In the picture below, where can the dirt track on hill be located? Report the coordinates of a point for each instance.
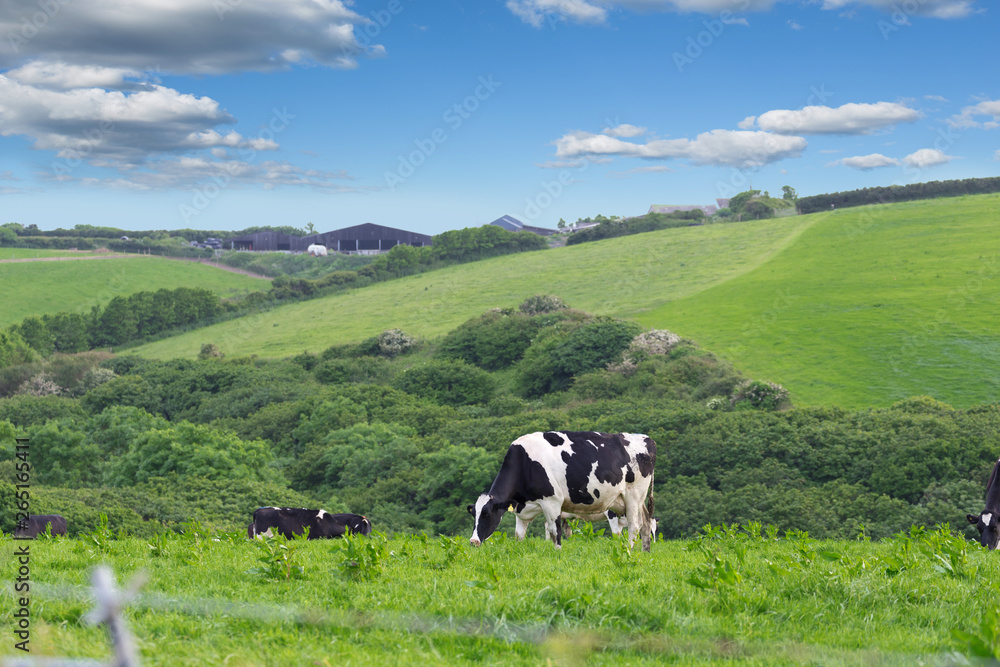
(206, 262)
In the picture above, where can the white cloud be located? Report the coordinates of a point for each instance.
(794, 25)
(536, 12)
(624, 131)
(967, 118)
(60, 76)
(942, 9)
(996, 156)
(866, 162)
(114, 125)
(927, 157)
(574, 164)
(936, 98)
(718, 147)
(187, 36)
(850, 118)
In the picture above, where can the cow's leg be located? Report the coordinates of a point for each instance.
(521, 526)
(552, 508)
(635, 514)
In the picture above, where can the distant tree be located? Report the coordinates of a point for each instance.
(311, 228)
(35, 334)
(757, 209)
(561, 224)
(790, 194)
(738, 202)
(8, 237)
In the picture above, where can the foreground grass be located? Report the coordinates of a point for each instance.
(413, 600)
(870, 305)
(39, 288)
(617, 277)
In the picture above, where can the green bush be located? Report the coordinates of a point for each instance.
(448, 383)
(190, 450)
(357, 370)
(493, 341)
(25, 411)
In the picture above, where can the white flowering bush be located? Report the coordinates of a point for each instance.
(626, 367)
(394, 342)
(542, 303)
(759, 394)
(94, 377)
(654, 341)
(716, 403)
(40, 385)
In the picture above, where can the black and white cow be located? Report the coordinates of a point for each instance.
(580, 472)
(290, 521)
(36, 523)
(986, 521)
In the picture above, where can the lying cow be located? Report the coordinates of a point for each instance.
(292, 521)
(36, 523)
(583, 473)
(615, 520)
(986, 521)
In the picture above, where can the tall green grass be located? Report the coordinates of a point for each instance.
(39, 288)
(737, 597)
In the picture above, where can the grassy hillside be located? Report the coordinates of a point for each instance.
(414, 601)
(616, 277)
(868, 306)
(37, 288)
(858, 307)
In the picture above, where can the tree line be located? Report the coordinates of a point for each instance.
(898, 193)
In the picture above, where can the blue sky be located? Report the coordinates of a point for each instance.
(222, 114)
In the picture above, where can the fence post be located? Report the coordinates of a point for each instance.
(108, 611)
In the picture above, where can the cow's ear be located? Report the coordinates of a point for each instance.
(471, 509)
(973, 519)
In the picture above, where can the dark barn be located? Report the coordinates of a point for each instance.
(367, 238)
(264, 242)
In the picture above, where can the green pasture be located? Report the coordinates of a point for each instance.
(35, 253)
(618, 277)
(868, 306)
(734, 599)
(39, 288)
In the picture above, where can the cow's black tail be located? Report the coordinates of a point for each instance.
(649, 501)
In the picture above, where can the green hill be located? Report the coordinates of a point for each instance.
(619, 276)
(856, 307)
(869, 305)
(46, 287)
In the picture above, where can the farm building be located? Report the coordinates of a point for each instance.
(367, 239)
(512, 224)
(263, 242)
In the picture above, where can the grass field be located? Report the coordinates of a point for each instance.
(616, 277)
(868, 306)
(734, 600)
(32, 253)
(39, 288)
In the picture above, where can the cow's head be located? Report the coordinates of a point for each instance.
(487, 513)
(986, 523)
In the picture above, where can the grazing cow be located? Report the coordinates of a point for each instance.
(317, 250)
(986, 521)
(582, 473)
(293, 521)
(356, 523)
(36, 524)
(616, 520)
